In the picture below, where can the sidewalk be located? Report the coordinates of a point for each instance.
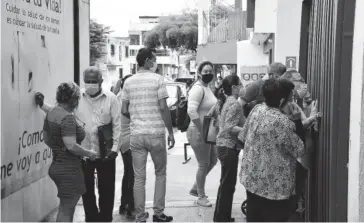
(180, 177)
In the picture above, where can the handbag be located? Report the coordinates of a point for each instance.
(105, 134)
(209, 130)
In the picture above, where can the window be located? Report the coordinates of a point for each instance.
(112, 50)
(126, 51)
(134, 40)
(144, 34)
(133, 53)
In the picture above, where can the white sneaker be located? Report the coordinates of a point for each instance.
(204, 202)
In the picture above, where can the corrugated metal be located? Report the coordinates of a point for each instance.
(328, 76)
(232, 28)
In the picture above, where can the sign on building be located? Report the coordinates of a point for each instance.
(37, 54)
(250, 74)
(291, 62)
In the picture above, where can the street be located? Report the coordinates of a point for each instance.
(180, 178)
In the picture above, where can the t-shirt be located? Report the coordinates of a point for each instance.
(143, 91)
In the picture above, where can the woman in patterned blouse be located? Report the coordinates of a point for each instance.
(231, 121)
(271, 149)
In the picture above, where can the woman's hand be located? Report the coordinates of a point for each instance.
(92, 156)
(39, 99)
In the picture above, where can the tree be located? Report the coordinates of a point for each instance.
(177, 32)
(98, 38)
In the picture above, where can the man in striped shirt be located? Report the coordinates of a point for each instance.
(144, 101)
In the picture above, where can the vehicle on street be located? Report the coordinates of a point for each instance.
(176, 91)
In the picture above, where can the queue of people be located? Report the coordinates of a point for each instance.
(87, 128)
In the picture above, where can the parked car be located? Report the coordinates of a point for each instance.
(187, 80)
(176, 91)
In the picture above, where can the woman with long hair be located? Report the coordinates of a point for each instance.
(200, 100)
(231, 121)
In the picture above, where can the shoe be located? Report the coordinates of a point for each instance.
(130, 214)
(204, 202)
(162, 218)
(145, 217)
(122, 210)
(231, 220)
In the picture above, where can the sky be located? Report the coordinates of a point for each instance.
(118, 13)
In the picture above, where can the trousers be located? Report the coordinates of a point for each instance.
(140, 146)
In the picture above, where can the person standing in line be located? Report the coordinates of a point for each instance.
(127, 198)
(200, 100)
(144, 102)
(64, 135)
(231, 121)
(97, 108)
(271, 148)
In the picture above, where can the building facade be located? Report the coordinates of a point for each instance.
(167, 60)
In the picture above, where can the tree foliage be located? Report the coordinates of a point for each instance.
(98, 38)
(177, 32)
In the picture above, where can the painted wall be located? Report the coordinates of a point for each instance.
(250, 60)
(221, 53)
(265, 16)
(287, 36)
(356, 147)
(36, 55)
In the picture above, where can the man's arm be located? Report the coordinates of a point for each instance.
(166, 115)
(116, 123)
(125, 109)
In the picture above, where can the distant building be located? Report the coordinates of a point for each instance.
(167, 60)
(113, 63)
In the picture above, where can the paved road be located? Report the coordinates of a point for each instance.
(180, 178)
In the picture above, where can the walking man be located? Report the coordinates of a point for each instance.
(97, 108)
(144, 101)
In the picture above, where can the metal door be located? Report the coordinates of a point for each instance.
(326, 52)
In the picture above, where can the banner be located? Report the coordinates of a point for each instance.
(37, 55)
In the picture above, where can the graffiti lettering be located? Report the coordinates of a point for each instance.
(27, 140)
(6, 170)
(24, 163)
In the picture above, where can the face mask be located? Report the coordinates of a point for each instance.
(92, 89)
(207, 78)
(154, 68)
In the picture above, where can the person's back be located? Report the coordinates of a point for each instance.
(143, 90)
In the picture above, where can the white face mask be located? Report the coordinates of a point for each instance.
(92, 89)
(154, 68)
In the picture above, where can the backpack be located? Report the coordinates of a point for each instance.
(182, 118)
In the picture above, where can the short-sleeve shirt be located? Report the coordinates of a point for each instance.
(143, 92)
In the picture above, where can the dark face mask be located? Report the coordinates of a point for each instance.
(207, 78)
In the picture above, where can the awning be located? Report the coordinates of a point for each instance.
(260, 38)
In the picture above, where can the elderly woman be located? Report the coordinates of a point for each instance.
(63, 134)
(200, 100)
(268, 168)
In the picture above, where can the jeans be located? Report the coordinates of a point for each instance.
(106, 186)
(206, 158)
(140, 146)
(127, 197)
(229, 159)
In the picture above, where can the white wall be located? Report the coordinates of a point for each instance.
(356, 146)
(287, 38)
(84, 37)
(32, 60)
(265, 16)
(250, 55)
